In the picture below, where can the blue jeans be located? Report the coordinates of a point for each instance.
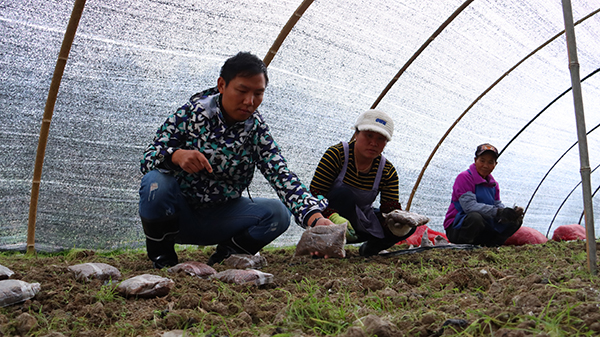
(264, 219)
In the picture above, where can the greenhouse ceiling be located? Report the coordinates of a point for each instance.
(452, 74)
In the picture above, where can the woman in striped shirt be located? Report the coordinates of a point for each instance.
(351, 175)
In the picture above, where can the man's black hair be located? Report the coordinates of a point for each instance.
(243, 64)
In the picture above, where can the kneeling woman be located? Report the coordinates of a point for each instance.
(351, 175)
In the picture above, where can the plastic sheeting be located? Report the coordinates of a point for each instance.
(134, 62)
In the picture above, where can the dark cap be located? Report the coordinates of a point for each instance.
(486, 147)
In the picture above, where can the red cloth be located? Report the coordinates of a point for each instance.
(524, 236)
(415, 239)
(569, 233)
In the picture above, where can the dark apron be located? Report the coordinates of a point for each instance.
(367, 219)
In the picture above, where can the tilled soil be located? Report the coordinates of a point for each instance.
(534, 290)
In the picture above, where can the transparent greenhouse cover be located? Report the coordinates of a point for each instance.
(133, 62)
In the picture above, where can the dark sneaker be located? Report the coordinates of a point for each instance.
(221, 253)
(369, 249)
(362, 251)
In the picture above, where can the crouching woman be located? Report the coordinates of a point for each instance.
(351, 175)
(476, 214)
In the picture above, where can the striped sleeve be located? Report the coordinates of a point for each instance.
(388, 187)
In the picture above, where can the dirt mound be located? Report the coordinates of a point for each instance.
(508, 291)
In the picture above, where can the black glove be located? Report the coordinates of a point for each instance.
(507, 214)
(520, 211)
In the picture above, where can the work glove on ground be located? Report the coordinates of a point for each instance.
(337, 219)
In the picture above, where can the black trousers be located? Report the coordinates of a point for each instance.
(477, 231)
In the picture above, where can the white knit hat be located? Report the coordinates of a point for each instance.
(377, 121)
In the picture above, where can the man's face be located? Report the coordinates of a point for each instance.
(241, 96)
(485, 164)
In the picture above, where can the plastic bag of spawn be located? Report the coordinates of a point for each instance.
(15, 291)
(239, 276)
(5, 272)
(243, 261)
(202, 270)
(327, 240)
(146, 285)
(399, 217)
(101, 271)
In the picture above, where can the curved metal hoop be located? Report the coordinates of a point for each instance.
(552, 167)
(531, 121)
(583, 212)
(419, 51)
(544, 109)
(564, 201)
(414, 190)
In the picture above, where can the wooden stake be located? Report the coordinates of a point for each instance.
(584, 159)
(419, 51)
(48, 111)
(286, 30)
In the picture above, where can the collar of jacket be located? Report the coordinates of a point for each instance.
(210, 101)
(477, 179)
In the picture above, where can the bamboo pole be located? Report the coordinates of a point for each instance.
(419, 51)
(414, 190)
(48, 111)
(286, 30)
(581, 136)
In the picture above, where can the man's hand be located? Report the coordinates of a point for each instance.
(322, 221)
(191, 161)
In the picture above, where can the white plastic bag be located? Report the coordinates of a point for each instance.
(239, 276)
(243, 261)
(5, 272)
(15, 291)
(101, 271)
(193, 268)
(399, 217)
(327, 240)
(146, 285)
